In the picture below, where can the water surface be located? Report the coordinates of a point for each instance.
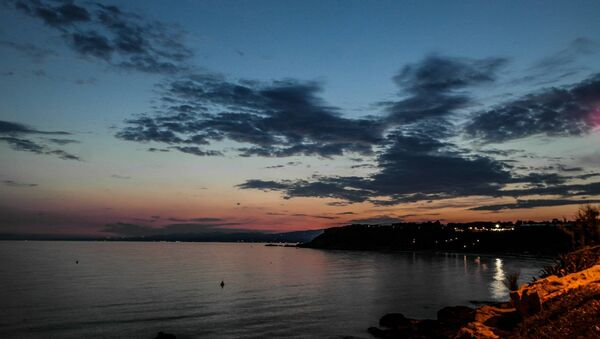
(134, 290)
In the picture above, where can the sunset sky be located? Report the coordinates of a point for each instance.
(290, 115)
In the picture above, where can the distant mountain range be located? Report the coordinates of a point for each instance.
(216, 236)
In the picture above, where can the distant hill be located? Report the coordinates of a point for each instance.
(250, 236)
(435, 236)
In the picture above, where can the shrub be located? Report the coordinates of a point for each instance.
(573, 262)
(512, 281)
(586, 230)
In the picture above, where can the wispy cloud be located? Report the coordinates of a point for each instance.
(18, 137)
(13, 183)
(111, 35)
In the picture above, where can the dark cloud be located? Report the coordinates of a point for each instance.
(567, 56)
(324, 187)
(62, 141)
(88, 81)
(117, 176)
(286, 118)
(570, 169)
(566, 111)
(277, 119)
(560, 66)
(418, 164)
(63, 155)
(363, 166)
(586, 176)
(413, 143)
(565, 190)
(197, 151)
(109, 34)
(328, 217)
(500, 152)
(152, 149)
(35, 53)
(17, 136)
(13, 183)
(25, 145)
(413, 167)
(380, 219)
(91, 43)
(433, 86)
(264, 185)
(289, 163)
(337, 203)
(14, 128)
(417, 161)
(127, 229)
(207, 219)
(524, 204)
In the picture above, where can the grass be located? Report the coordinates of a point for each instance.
(573, 262)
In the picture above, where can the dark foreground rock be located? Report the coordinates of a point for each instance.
(394, 320)
(163, 335)
(450, 320)
(456, 316)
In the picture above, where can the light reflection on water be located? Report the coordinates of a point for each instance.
(135, 290)
(497, 287)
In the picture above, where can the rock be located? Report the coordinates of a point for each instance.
(476, 330)
(529, 299)
(394, 320)
(528, 302)
(429, 328)
(163, 335)
(456, 316)
(377, 332)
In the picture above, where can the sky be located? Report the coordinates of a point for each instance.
(129, 117)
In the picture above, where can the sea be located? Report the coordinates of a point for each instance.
(88, 289)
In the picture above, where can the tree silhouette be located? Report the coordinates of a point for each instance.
(587, 226)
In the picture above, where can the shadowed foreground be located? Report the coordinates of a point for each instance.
(565, 305)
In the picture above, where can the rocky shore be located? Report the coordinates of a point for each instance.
(565, 304)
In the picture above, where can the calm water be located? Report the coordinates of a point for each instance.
(134, 290)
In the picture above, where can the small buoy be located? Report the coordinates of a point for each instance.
(77, 261)
(222, 284)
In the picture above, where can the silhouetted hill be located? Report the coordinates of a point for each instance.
(250, 236)
(436, 236)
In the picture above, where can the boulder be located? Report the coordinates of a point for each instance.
(394, 320)
(456, 316)
(476, 330)
(527, 302)
(163, 335)
(377, 332)
(429, 328)
(529, 298)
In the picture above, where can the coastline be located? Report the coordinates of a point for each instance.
(533, 308)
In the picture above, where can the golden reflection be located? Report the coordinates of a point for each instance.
(497, 288)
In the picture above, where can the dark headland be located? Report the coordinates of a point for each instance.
(547, 238)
